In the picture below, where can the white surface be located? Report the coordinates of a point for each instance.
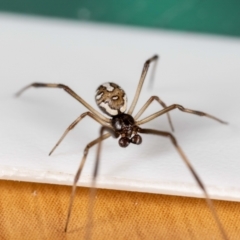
(199, 72)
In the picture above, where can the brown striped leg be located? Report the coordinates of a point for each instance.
(141, 81)
(77, 176)
(95, 173)
(68, 90)
(95, 117)
(146, 105)
(181, 108)
(199, 182)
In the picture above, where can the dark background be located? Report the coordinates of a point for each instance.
(207, 16)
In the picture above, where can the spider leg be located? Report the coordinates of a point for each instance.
(73, 124)
(68, 90)
(77, 176)
(146, 105)
(181, 108)
(195, 175)
(95, 172)
(141, 81)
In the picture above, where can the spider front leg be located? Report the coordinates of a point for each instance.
(77, 176)
(72, 125)
(95, 173)
(69, 91)
(146, 105)
(181, 108)
(195, 175)
(141, 81)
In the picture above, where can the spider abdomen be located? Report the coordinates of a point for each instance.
(111, 99)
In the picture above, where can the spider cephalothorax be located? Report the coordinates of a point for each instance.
(124, 125)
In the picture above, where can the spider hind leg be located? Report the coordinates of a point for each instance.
(194, 173)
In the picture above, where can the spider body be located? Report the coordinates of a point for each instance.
(112, 100)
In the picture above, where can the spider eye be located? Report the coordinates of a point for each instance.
(111, 99)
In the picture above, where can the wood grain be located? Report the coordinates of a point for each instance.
(38, 211)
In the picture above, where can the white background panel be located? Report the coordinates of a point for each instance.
(196, 71)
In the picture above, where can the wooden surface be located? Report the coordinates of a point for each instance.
(38, 211)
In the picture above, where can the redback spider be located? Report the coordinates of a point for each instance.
(120, 123)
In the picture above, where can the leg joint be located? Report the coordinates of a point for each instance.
(180, 107)
(155, 98)
(173, 139)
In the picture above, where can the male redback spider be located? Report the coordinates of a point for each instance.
(120, 123)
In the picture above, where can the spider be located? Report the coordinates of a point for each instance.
(120, 123)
